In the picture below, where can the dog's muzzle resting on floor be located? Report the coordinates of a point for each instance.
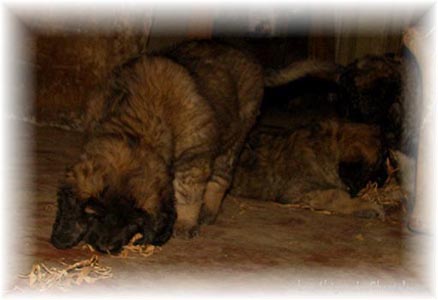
(107, 228)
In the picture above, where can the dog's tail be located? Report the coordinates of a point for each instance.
(300, 69)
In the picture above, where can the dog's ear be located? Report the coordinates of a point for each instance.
(66, 197)
(69, 226)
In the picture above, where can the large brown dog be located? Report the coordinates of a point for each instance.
(165, 126)
(322, 166)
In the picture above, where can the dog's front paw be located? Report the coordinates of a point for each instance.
(207, 216)
(185, 231)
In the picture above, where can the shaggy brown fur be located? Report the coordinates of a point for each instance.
(164, 126)
(321, 166)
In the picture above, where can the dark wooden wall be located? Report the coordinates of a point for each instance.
(67, 64)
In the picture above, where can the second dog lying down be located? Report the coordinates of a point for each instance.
(323, 166)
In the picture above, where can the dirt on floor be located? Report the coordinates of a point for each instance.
(254, 248)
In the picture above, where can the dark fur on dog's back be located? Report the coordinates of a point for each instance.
(384, 90)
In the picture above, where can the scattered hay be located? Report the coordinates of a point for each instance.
(88, 247)
(43, 278)
(89, 270)
(142, 250)
(390, 195)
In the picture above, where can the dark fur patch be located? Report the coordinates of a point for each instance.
(71, 224)
(357, 174)
(384, 90)
(109, 226)
(164, 224)
(116, 221)
(353, 174)
(115, 225)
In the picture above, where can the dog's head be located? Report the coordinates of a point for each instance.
(363, 158)
(356, 174)
(109, 221)
(114, 223)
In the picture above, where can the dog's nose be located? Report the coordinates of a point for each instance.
(61, 242)
(114, 249)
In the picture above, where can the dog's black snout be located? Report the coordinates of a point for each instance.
(115, 248)
(61, 242)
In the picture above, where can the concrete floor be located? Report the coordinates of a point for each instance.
(255, 248)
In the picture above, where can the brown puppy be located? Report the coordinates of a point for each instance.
(322, 166)
(164, 127)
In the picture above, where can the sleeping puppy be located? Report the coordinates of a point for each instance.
(323, 166)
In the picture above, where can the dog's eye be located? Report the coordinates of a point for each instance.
(93, 208)
(90, 210)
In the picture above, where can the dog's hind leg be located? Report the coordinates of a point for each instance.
(218, 185)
